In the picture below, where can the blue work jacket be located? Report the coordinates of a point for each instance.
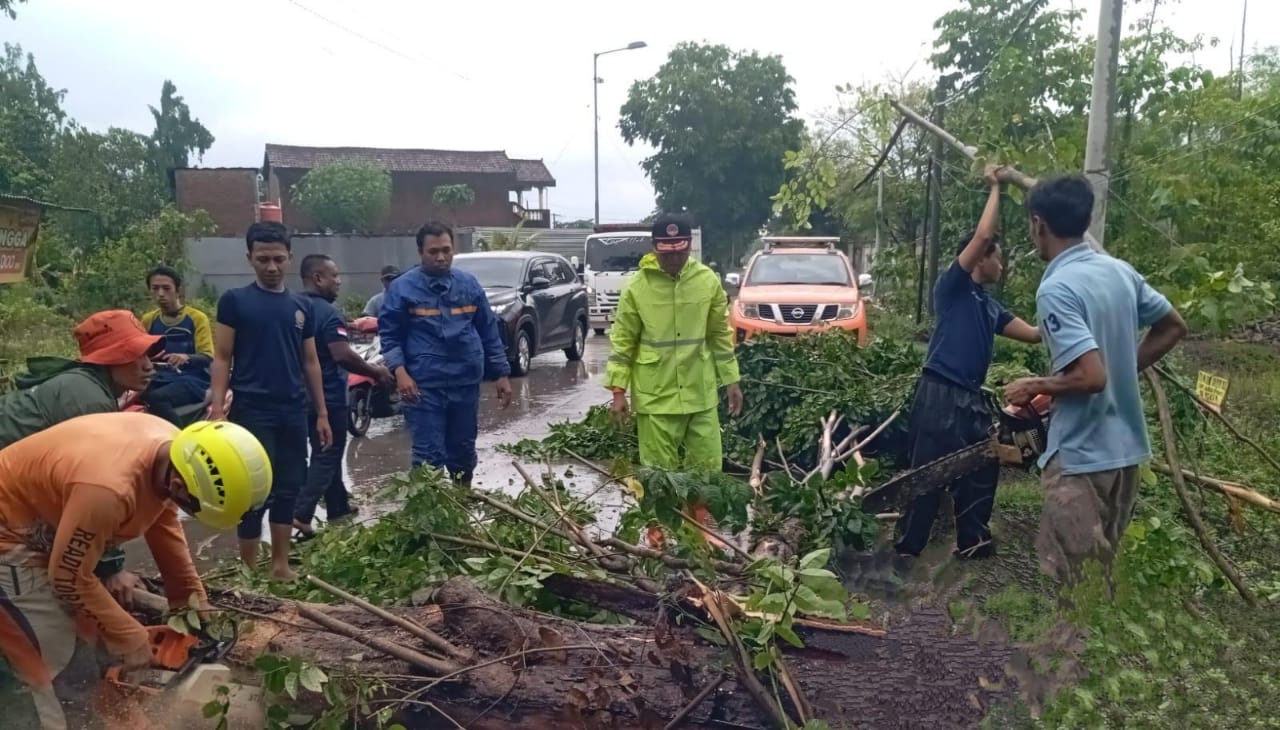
(441, 330)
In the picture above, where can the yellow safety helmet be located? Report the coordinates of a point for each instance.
(226, 470)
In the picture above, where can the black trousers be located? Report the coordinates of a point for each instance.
(165, 400)
(324, 473)
(282, 431)
(946, 418)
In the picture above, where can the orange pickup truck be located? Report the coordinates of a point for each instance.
(799, 284)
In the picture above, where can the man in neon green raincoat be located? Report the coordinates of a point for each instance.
(672, 347)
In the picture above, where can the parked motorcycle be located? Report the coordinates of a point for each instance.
(367, 398)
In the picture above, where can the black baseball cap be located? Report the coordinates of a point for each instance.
(672, 233)
(389, 272)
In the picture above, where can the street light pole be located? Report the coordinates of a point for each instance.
(595, 112)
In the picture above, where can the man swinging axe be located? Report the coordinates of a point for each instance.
(671, 345)
(949, 410)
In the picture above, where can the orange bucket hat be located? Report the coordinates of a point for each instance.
(114, 337)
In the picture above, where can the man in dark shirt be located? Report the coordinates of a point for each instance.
(950, 411)
(321, 282)
(183, 378)
(374, 305)
(440, 338)
(265, 351)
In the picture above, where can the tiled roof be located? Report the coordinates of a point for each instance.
(533, 172)
(394, 160)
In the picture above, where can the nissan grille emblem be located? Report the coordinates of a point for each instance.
(797, 313)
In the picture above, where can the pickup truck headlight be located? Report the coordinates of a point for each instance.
(751, 311)
(847, 311)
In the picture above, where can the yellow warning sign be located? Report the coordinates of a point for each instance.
(1212, 389)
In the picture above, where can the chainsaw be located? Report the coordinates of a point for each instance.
(1017, 438)
(130, 698)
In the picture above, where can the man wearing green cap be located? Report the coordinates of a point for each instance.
(672, 347)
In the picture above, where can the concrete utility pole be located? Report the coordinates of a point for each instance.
(595, 110)
(935, 202)
(1102, 111)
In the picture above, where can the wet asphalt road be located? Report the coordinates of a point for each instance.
(554, 390)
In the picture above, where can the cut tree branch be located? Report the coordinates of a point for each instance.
(697, 700)
(1180, 486)
(1229, 489)
(1217, 414)
(1006, 174)
(390, 648)
(579, 536)
(432, 639)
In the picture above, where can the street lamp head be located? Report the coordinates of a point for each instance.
(636, 44)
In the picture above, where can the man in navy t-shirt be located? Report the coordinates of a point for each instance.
(949, 411)
(265, 351)
(321, 282)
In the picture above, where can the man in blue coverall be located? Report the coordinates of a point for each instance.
(440, 339)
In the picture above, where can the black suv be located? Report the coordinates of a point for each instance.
(539, 301)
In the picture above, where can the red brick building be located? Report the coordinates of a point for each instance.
(499, 182)
(228, 194)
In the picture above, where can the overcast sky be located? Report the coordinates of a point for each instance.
(486, 74)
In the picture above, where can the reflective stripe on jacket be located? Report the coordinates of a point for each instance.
(441, 329)
(671, 341)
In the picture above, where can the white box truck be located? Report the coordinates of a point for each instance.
(609, 258)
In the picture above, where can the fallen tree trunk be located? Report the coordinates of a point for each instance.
(555, 672)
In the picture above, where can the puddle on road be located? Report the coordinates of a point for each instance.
(554, 390)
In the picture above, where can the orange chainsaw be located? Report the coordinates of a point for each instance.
(1018, 437)
(124, 694)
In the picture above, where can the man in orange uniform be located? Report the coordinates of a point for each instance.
(75, 489)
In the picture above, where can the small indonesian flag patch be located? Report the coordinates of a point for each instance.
(342, 331)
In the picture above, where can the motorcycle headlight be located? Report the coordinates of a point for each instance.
(848, 311)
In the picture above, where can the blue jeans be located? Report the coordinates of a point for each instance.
(324, 473)
(443, 425)
(283, 434)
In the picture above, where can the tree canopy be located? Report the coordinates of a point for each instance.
(453, 198)
(720, 121)
(345, 196)
(1194, 155)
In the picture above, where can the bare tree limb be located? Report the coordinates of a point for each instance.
(697, 700)
(432, 639)
(1006, 174)
(390, 648)
(1218, 415)
(1229, 489)
(1180, 486)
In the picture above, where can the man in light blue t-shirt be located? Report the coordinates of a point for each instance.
(1090, 308)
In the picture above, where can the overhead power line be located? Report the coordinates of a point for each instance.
(377, 43)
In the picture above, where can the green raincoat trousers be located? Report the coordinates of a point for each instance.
(672, 348)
